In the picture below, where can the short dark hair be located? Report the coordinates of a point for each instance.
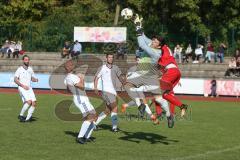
(109, 54)
(160, 39)
(25, 56)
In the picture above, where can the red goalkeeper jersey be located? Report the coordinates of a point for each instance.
(166, 58)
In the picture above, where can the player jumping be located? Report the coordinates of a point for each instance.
(168, 66)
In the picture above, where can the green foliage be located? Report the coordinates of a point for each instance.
(45, 24)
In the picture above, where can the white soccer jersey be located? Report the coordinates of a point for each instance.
(79, 96)
(25, 75)
(109, 77)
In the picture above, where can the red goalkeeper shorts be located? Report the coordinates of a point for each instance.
(170, 79)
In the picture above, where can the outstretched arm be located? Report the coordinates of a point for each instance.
(149, 50)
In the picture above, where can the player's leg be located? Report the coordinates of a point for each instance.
(102, 116)
(87, 121)
(126, 105)
(31, 111)
(167, 83)
(114, 118)
(107, 111)
(26, 103)
(134, 95)
(33, 104)
(164, 104)
(92, 118)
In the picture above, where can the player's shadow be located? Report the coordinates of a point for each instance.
(104, 127)
(71, 133)
(153, 138)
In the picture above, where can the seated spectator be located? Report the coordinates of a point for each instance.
(66, 50)
(11, 48)
(77, 49)
(238, 67)
(210, 53)
(232, 66)
(5, 48)
(237, 54)
(121, 50)
(198, 53)
(188, 53)
(220, 53)
(178, 53)
(17, 49)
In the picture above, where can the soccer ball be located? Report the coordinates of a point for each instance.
(127, 13)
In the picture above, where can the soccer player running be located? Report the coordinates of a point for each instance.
(108, 73)
(168, 66)
(23, 77)
(75, 84)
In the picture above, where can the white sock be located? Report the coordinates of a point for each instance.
(89, 131)
(148, 110)
(164, 105)
(131, 103)
(84, 128)
(24, 108)
(114, 120)
(138, 102)
(101, 116)
(30, 112)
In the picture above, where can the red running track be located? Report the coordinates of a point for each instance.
(91, 93)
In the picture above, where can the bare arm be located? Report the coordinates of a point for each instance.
(33, 79)
(80, 84)
(20, 84)
(96, 85)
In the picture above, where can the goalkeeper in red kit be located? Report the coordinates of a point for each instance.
(167, 65)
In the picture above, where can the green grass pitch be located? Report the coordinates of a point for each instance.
(212, 134)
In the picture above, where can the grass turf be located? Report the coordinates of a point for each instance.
(213, 133)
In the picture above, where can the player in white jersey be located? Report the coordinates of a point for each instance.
(23, 77)
(109, 74)
(75, 84)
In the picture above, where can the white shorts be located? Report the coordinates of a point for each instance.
(85, 106)
(26, 95)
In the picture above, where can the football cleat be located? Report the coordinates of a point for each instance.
(170, 121)
(115, 130)
(141, 109)
(81, 140)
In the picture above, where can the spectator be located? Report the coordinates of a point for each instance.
(178, 53)
(66, 50)
(77, 49)
(210, 53)
(237, 54)
(188, 53)
(17, 49)
(238, 67)
(121, 50)
(11, 48)
(198, 53)
(213, 87)
(5, 48)
(232, 66)
(220, 53)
